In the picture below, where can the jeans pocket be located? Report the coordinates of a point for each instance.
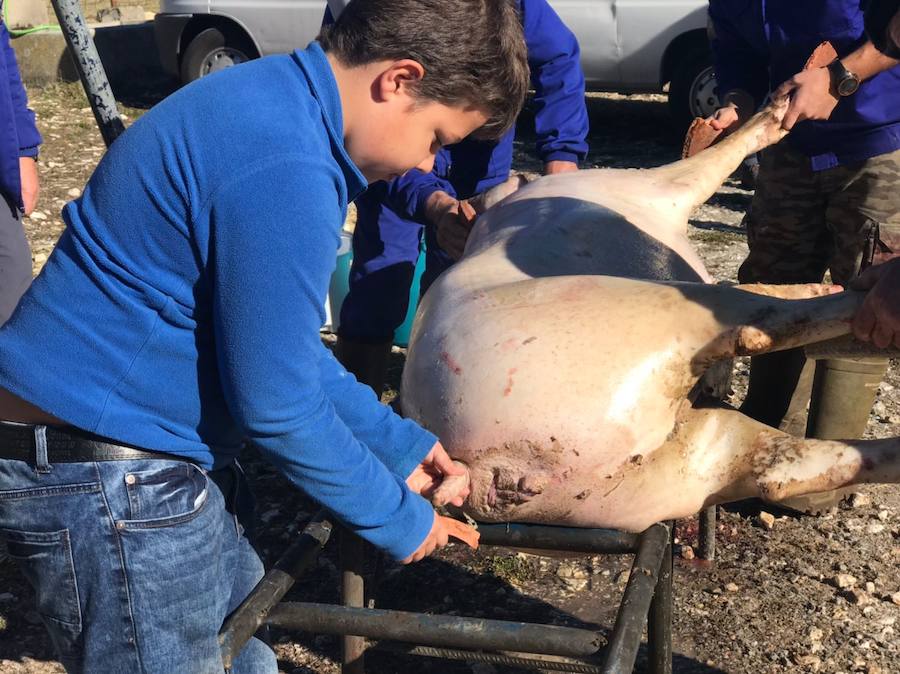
(166, 496)
(45, 558)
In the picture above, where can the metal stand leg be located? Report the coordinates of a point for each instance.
(659, 624)
(639, 593)
(707, 535)
(352, 554)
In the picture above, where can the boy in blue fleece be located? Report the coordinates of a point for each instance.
(179, 314)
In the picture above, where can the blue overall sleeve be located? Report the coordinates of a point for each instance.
(270, 264)
(26, 129)
(561, 120)
(738, 65)
(409, 193)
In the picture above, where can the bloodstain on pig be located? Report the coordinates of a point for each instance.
(452, 365)
(509, 381)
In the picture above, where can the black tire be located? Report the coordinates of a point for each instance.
(693, 89)
(213, 49)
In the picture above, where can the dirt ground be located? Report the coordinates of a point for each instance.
(801, 594)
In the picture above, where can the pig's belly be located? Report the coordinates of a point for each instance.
(547, 483)
(561, 419)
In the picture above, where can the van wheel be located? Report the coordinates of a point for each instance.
(693, 91)
(214, 49)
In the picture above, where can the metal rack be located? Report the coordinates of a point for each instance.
(647, 599)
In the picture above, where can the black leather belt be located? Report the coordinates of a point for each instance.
(68, 445)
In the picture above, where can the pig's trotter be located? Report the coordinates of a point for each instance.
(451, 486)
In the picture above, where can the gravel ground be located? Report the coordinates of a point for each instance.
(785, 593)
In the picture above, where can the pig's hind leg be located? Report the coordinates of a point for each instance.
(785, 466)
(726, 456)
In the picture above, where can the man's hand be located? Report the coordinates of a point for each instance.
(31, 187)
(558, 166)
(453, 221)
(811, 97)
(878, 320)
(429, 474)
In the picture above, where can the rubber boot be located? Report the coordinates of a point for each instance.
(842, 396)
(367, 362)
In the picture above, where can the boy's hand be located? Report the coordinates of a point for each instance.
(31, 187)
(738, 108)
(453, 221)
(435, 468)
(441, 530)
(727, 119)
(559, 166)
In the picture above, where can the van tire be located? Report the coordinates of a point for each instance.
(692, 80)
(212, 49)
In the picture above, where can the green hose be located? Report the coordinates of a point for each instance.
(27, 31)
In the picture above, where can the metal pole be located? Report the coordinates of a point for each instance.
(253, 611)
(90, 69)
(352, 555)
(437, 630)
(570, 539)
(524, 660)
(706, 546)
(659, 622)
(632, 615)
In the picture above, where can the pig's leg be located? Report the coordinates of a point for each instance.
(730, 457)
(848, 347)
(753, 324)
(725, 456)
(786, 466)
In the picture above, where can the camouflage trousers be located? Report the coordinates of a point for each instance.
(803, 222)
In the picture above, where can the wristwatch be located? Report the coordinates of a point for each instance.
(844, 82)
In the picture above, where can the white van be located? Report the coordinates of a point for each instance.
(627, 46)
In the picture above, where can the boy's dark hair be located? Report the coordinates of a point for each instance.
(473, 51)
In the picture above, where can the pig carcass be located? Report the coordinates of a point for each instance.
(560, 358)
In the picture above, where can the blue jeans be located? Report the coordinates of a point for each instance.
(135, 564)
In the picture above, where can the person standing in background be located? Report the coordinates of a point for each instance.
(828, 195)
(19, 186)
(393, 216)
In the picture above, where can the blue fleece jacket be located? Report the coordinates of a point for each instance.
(180, 310)
(759, 44)
(560, 119)
(19, 136)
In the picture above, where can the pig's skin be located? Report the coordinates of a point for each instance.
(557, 358)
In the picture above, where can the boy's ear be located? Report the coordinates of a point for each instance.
(396, 79)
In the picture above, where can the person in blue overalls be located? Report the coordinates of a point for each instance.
(391, 215)
(19, 143)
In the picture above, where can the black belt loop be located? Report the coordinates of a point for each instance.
(41, 464)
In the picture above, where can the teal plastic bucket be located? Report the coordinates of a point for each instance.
(340, 286)
(340, 281)
(401, 334)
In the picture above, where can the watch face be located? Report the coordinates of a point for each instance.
(848, 85)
